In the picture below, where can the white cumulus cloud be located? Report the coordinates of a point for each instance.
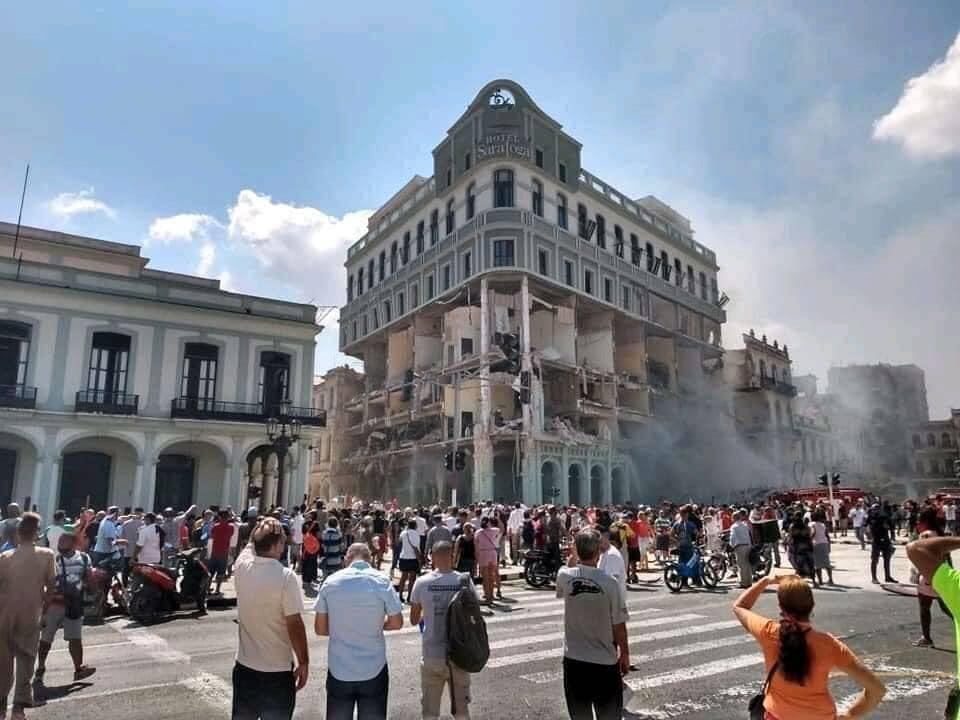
(82, 202)
(184, 227)
(208, 255)
(926, 118)
(299, 244)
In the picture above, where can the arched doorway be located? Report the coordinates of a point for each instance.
(97, 472)
(577, 481)
(549, 483)
(18, 458)
(619, 483)
(597, 489)
(189, 473)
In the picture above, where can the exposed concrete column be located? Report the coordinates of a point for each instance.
(531, 423)
(53, 487)
(482, 446)
(137, 486)
(40, 467)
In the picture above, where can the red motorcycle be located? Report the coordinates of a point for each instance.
(154, 591)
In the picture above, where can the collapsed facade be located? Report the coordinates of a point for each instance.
(517, 313)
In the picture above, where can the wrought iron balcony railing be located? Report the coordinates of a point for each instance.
(18, 396)
(207, 409)
(107, 401)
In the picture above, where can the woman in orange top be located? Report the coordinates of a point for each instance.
(804, 657)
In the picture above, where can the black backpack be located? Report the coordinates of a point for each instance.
(467, 644)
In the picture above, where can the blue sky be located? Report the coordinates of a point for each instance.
(247, 141)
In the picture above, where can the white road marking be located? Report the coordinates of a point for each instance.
(212, 689)
(552, 652)
(91, 647)
(682, 708)
(81, 696)
(901, 689)
(694, 672)
(662, 654)
(520, 614)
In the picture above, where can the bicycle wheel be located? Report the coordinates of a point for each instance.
(719, 564)
(671, 577)
(710, 576)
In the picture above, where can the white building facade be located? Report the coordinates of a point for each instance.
(123, 385)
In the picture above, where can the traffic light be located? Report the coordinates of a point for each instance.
(448, 461)
(459, 460)
(836, 479)
(824, 477)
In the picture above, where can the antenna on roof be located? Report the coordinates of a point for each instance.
(16, 237)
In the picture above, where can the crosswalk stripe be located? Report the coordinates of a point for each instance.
(552, 652)
(682, 708)
(642, 638)
(519, 614)
(662, 654)
(694, 672)
(899, 690)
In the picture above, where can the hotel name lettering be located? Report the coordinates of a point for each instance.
(503, 146)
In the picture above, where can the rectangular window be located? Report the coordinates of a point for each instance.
(107, 374)
(691, 279)
(542, 262)
(405, 253)
(467, 264)
(665, 265)
(466, 423)
(471, 202)
(562, 171)
(714, 292)
(414, 295)
(588, 282)
(562, 211)
(359, 282)
(677, 271)
(607, 290)
(199, 378)
(446, 277)
(383, 265)
(703, 286)
(502, 253)
(370, 268)
(625, 297)
(451, 216)
(635, 251)
(538, 157)
(649, 257)
(503, 188)
(350, 288)
(618, 239)
(582, 221)
(601, 231)
(466, 347)
(400, 307)
(353, 330)
(434, 227)
(466, 161)
(376, 319)
(366, 329)
(430, 287)
(568, 272)
(387, 315)
(420, 238)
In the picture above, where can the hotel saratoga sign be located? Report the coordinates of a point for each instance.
(503, 145)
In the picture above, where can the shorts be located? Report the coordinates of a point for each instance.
(633, 554)
(409, 565)
(663, 543)
(217, 567)
(54, 619)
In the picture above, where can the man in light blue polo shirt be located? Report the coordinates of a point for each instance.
(354, 607)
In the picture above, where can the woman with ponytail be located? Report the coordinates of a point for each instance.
(799, 659)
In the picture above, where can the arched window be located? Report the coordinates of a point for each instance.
(503, 188)
(451, 216)
(14, 353)
(601, 231)
(931, 440)
(945, 440)
(471, 200)
(562, 210)
(917, 441)
(393, 257)
(537, 198)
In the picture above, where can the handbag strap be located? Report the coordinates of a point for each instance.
(766, 683)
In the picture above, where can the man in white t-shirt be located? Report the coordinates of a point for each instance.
(296, 538)
(272, 634)
(858, 517)
(611, 562)
(950, 515)
(422, 530)
(149, 541)
(514, 526)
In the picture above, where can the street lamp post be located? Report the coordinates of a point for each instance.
(282, 432)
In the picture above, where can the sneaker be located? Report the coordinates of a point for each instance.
(83, 673)
(923, 642)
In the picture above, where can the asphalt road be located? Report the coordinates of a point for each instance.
(695, 661)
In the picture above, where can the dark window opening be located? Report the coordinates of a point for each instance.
(471, 201)
(274, 385)
(198, 380)
(394, 252)
(714, 293)
(618, 238)
(107, 374)
(538, 157)
(466, 423)
(677, 271)
(350, 288)
(400, 308)
(387, 315)
(703, 286)
(538, 198)
(14, 354)
(370, 274)
(607, 290)
(451, 216)
(502, 253)
(446, 277)
(691, 279)
(466, 347)
(467, 264)
(562, 171)
(588, 282)
(625, 297)
(414, 296)
(429, 287)
(635, 251)
(650, 257)
(449, 177)
(405, 253)
(601, 231)
(568, 272)
(466, 161)
(503, 188)
(665, 265)
(434, 227)
(542, 262)
(383, 264)
(562, 211)
(420, 238)
(359, 282)
(582, 221)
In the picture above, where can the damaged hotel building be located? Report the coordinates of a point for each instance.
(523, 322)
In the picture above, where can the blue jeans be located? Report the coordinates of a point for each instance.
(369, 697)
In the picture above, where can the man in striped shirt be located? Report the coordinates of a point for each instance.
(331, 541)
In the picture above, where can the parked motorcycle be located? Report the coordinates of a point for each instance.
(154, 588)
(540, 568)
(104, 588)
